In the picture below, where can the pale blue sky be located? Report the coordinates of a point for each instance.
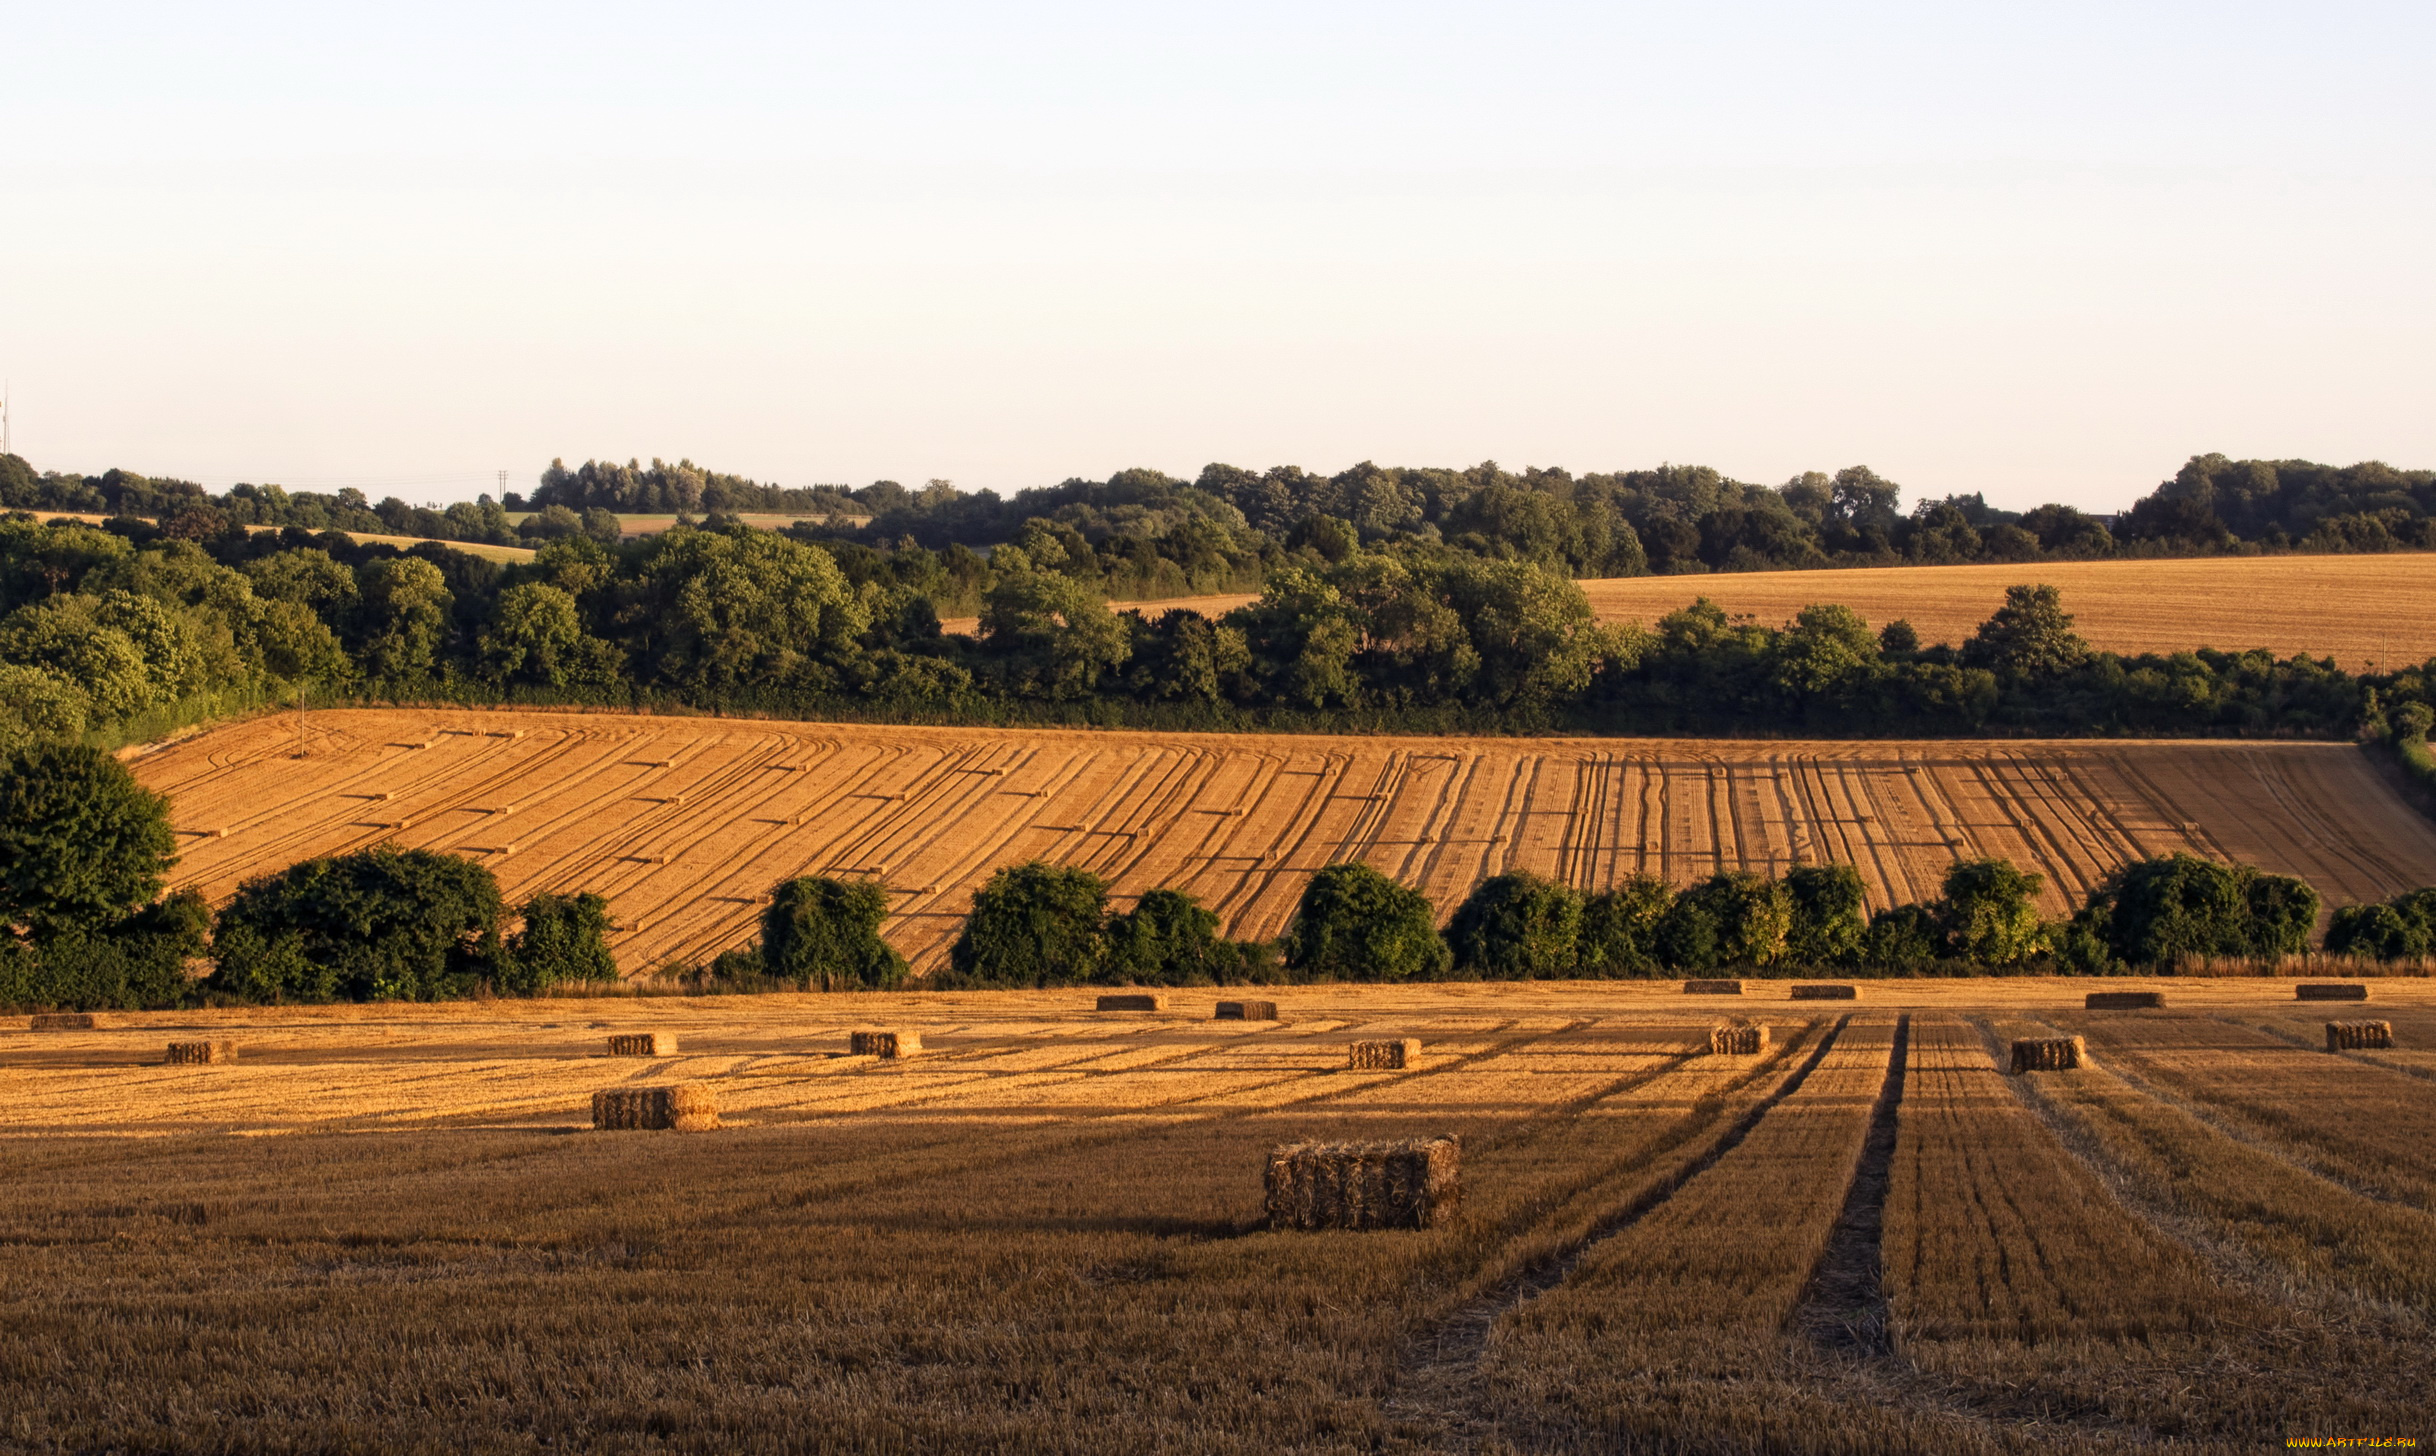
(2042, 250)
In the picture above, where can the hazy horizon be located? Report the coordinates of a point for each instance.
(2043, 252)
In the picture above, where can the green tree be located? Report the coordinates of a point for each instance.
(1731, 919)
(308, 577)
(824, 935)
(2030, 636)
(1827, 650)
(62, 639)
(405, 618)
(2155, 911)
(379, 925)
(1903, 938)
(1620, 927)
(35, 705)
(1989, 912)
(1830, 914)
(1167, 939)
(1053, 635)
(565, 938)
(1355, 924)
(1034, 924)
(137, 964)
(536, 635)
(2402, 927)
(82, 844)
(723, 613)
(1517, 926)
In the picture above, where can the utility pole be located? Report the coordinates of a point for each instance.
(502, 495)
(6, 447)
(300, 733)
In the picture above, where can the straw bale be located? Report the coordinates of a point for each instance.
(195, 1053)
(643, 1044)
(1385, 1056)
(884, 1043)
(2049, 1053)
(685, 1107)
(1411, 1183)
(2123, 1000)
(1817, 992)
(2346, 1036)
(1712, 988)
(63, 1021)
(1247, 1011)
(1737, 1041)
(2330, 991)
(1129, 1003)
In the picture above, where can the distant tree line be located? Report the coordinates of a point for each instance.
(1124, 531)
(107, 629)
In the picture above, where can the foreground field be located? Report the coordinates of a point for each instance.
(388, 1228)
(686, 823)
(2359, 610)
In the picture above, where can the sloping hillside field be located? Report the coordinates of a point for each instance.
(685, 823)
(393, 1227)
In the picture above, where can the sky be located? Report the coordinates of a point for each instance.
(2045, 251)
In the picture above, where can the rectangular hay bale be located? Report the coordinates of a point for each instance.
(1737, 1041)
(1384, 1056)
(884, 1043)
(643, 1044)
(63, 1021)
(1712, 988)
(1819, 992)
(1411, 1183)
(201, 1053)
(2352, 1036)
(1247, 1011)
(686, 1107)
(2330, 991)
(2049, 1053)
(1129, 1003)
(2123, 1000)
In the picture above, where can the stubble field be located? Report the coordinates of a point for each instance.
(388, 1228)
(686, 823)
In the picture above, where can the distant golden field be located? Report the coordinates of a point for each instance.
(2358, 610)
(686, 823)
(391, 1227)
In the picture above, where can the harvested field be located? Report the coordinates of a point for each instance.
(1052, 1230)
(686, 823)
(2359, 610)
